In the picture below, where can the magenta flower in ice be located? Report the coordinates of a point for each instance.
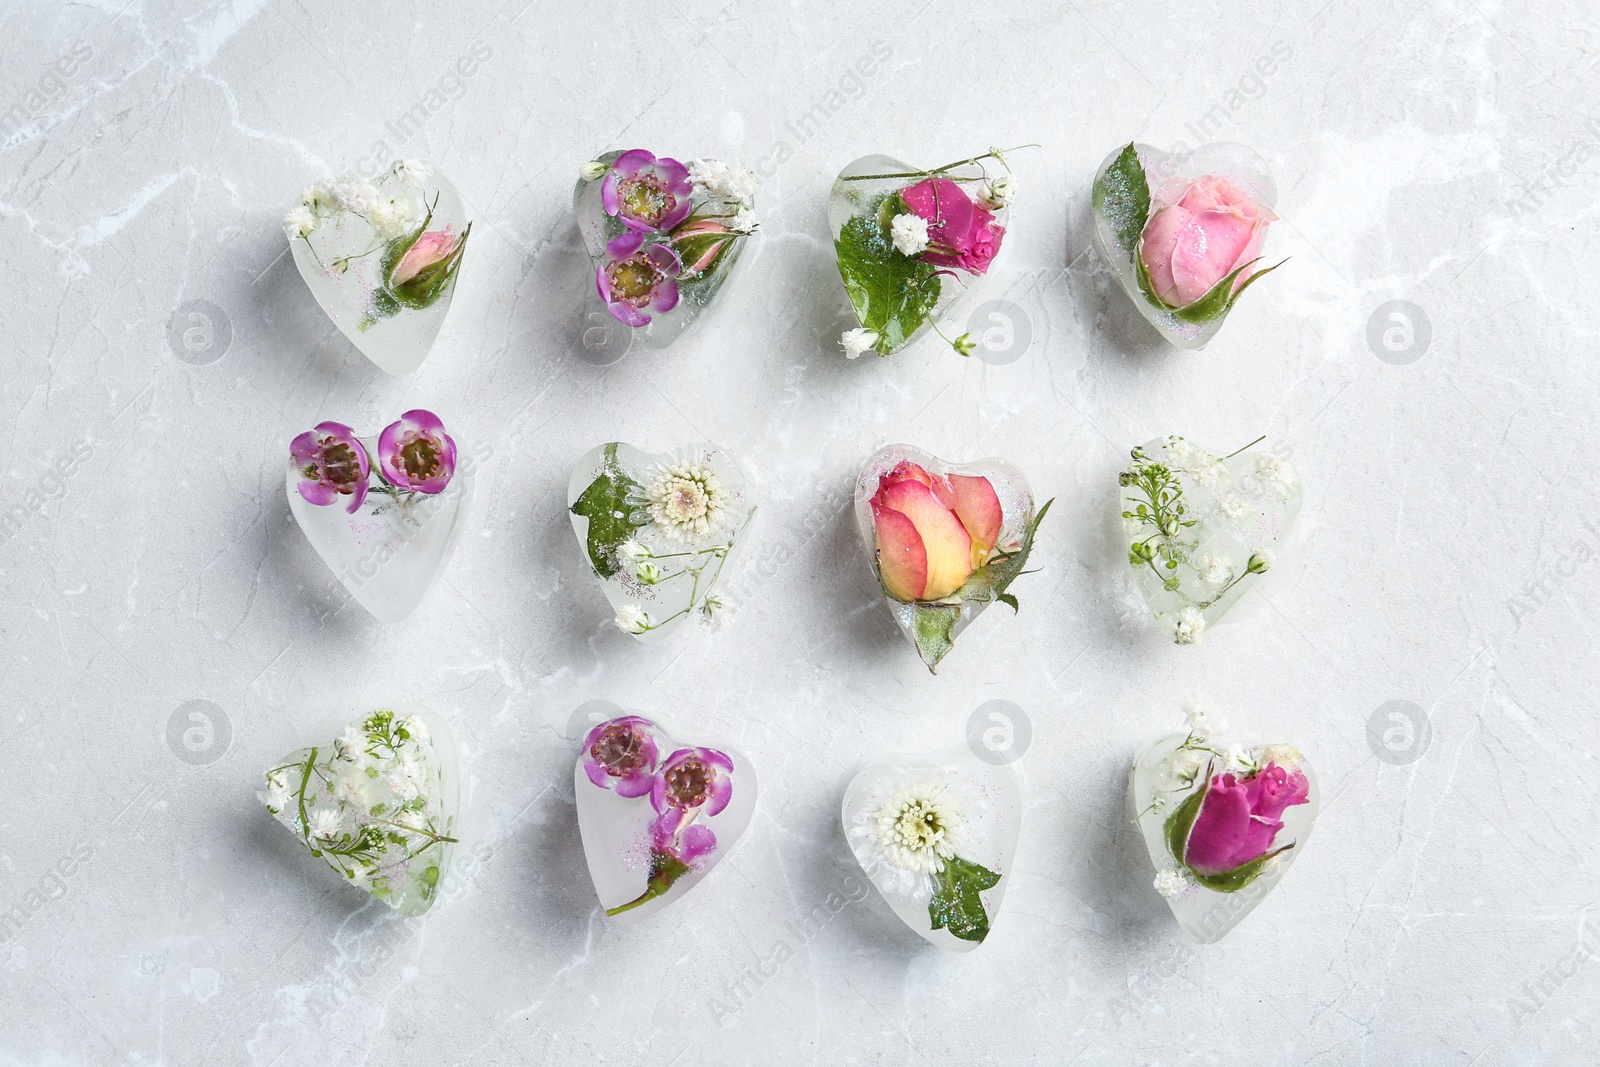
(621, 755)
(634, 277)
(693, 778)
(1238, 820)
(415, 453)
(961, 232)
(647, 194)
(332, 463)
(686, 844)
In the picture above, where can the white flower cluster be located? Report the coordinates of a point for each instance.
(1172, 882)
(1277, 473)
(909, 233)
(632, 619)
(733, 184)
(390, 215)
(1190, 626)
(856, 341)
(996, 193)
(1204, 721)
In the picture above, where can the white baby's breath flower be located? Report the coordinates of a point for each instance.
(632, 619)
(686, 500)
(326, 824)
(1207, 472)
(276, 795)
(1204, 721)
(920, 827)
(1191, 624)
(709, 174)
(351, 746)
(1231, 506)
(647, 573)
(1285, 756)
(856, 341)
(1215, 570)
(740, 184)
(1184, 762)
(1277, 473)
(717, 611)
(909, 233)
(415, 728)
(744, 221)
(1179, 451)
(299, 222)
(1172, 882)
(406, 777)
(410, 820)
(997, 192)
(412, 171)
(350, 787)
(362, 197)
(631, 552)
(593, 170)
(1239, 760)
(392, 215)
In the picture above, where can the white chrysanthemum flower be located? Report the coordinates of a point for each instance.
(1203, 720)
(909, 233)
(996, 193)
(1215, 570)
(856, 341)
(1191, 624)
(406, 777)
(1277, 473)
(327, 824)
(632, 619)
(1172, 882)
(686, 501)
(647, 573)
(299, 222)
(631, 552)
(740, 184)
(351, 746)
(744, 221)
(412, 171)
(717, 611)
(920, 827)
(709, 174)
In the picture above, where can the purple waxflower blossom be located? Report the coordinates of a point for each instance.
(415, 453)
(693, 778)
(332, 463)
(686, 844)
(634, 277)
(647, 194)
(621, 754)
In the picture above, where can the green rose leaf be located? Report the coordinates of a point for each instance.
(605, 505)
(956, 905)
(1181, 821)
(1122, 196)
(1218, 301)
(892, 294)
(1241, 876)
(990, 581)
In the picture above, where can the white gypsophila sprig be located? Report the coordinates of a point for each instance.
(744, 221)
(856, 341)
(1231, 506)
(406, 778)
(1190, 626)
(351, 746)
(686, 500)
(413, 172)
(708, 174)
(1172, 882)
(1215, 570)
(1285, 756)
(631, 552)
(996, 192)
(717, 611)
(392, 215)
(326, 824)
(1277, 473)
(276, 795)
(741, 185)
(1239, 760)
(1203, 720)
(632, 619)
(299, 222)
(909, 233)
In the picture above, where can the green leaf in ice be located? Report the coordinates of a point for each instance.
(892, 293)
(1122, 197)
(931, 626)
(1241, 876)
(956, 905)
(605, 505)
(1218, 301)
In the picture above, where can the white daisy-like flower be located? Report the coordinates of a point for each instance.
(709, 174)
(856, 341)
(996, 193)
(909, 233)
(326, 824)
(1231, 506)
(631, 552)
(1203, 720)
(351, 746)
(1191, 624)
(412, 171)
(299, 222)
(1277, 473)
(744, 221)
(632, 619)
(406, 777)
(741, 184)
(1172, 882)
(920, 827)
(1215, 571)
(717, 611)
(686, 501)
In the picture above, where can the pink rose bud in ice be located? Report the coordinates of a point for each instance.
(933, 532)
(1212, 230)
(1239, 819)
(962, 233)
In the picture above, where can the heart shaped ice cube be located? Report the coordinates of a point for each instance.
(1198, 527)
(1183, 233)
(1222, 824)
(945, 540)
(378, 803)
(911, 243)
(655, 814)
(390, 549)
(381, 256)
(937, 836)
(663, 238)
(659, 531)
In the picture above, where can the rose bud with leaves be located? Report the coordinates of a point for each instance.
(933, 532)
(1224, 832)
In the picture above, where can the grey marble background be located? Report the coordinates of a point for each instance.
(1443, 155)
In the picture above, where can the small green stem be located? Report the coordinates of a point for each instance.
(1252, 444)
